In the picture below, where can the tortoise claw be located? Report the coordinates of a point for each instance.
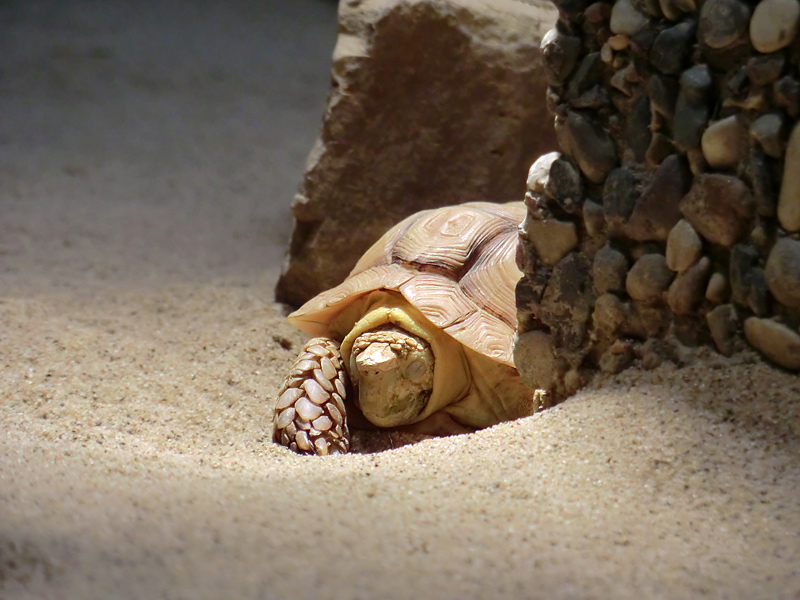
(310, 416)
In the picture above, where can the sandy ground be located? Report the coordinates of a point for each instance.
(147, 159)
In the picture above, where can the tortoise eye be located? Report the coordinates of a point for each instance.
(416, 369)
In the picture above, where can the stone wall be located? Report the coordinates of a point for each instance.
(672, 218)
(433, 102)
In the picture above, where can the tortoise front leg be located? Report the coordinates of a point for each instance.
(310, 416)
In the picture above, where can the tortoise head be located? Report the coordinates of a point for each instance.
(392, 375)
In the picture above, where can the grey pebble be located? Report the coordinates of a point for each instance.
(648, 278)
(609, 270)
(722, 22)
(782, 272)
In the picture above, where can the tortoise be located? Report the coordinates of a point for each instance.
(419, 336)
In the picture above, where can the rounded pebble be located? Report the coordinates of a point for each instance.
(285, 417)
(588, 144)
(723, 324)
(687, 290)
(289, 397)
(717, 291)
(539, 172)
(306, 365)
(766, 130)
(722, 22)
(625, 19)
(722, 143)
(315, 391)
(552, 239)
(775, 341)
(719, 207)
(684, 246)
(789, 200)
(535, 360)
(318, 350)
(782, 272)
(609, 270)
(648, 278)
(774, 24)
(334, 412)
(306, 410)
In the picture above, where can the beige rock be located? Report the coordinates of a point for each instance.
(625, 19)
(782, 272)
(774, 24)
(717, 291)
(722, 143)
(539, 173)
(433, 102)
(550, 238)
(535, 359)
(648, 278)
(687, 290)
(684, 246)
(775, 341)
(789, 199)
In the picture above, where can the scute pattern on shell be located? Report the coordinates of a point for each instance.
(448, 263)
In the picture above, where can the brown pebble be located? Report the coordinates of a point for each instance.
(648, 278)
(687, 290)
(719, 207)
(723, 324)
(684, 246)
(717, 291)
(775, 341)
(782, 272)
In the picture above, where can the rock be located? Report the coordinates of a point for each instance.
(686, 291)
(656, 211)
(766, 130)
(789, 199)
(674, 9)
(672, 48)
(567, 302)
(625, 19)
(782, 272)
(588, 74)
(637, 128)
(593, 218)
(550, 238)
(722, 22)
(609, 313)
(618, 42)
(684, 247)
(761, 179)
(431, 101)
(648, 278)
(787, 95)
(774, 24)
(717, 291)
(775, 341)
(663, 95)
(609, 270)
(584, 140)
(765, 70)
(560, 54)
(660, 147)
(535, 359)
(564, 185)
(723, 324)
(539, 172)
(619, 196)
(617, 358)
(747, 279)
(723, 142)
(692, 106)
(719, 207)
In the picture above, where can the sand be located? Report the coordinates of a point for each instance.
(147, 159)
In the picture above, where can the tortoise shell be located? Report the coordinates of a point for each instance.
(456, 265)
